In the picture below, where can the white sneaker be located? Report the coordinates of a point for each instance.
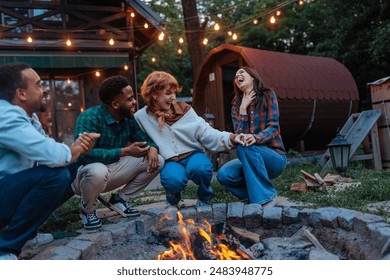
(4, 256)
(40, 239)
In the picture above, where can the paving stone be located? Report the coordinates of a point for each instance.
(272, 217)
(219, 213)
(253, 215)
(204, 213)
(290, 216)
(235, 211)
(87, 248)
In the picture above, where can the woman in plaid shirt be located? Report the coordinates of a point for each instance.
(254, 113)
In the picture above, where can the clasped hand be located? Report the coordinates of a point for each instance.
(245, 139)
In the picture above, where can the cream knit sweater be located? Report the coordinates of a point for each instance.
(190, 133)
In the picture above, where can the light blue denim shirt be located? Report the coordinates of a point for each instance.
(24, 143)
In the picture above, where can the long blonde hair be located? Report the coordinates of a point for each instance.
(156, 83)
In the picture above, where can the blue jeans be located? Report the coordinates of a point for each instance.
(27, 199)
(196, 167)
(249, 176)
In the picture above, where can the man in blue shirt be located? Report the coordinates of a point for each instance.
(34, 177)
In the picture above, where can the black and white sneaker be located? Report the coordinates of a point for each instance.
(123, 206)
(90, 220)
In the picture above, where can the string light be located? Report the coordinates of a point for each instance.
(68, 81)
(125, 67)
(161, 36)
(97, 74)
(255, 19)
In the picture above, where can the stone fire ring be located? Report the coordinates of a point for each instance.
(358, 235)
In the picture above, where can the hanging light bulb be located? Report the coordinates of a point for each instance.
(125, 67)
(205, 41)
(230, 33)
(97, 74)
(234, 36)
(181, 40)
(29, 39)
(132, 14)
(161, 36)
(216, 27)
(255, 21)
(272, 20)
(111, 42)
(153, 59)
(146, 25)
(179, 51)
(68, 81)
(278, 13)
(68, 42)
(301, 2)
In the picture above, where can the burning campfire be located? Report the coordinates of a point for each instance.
(199, 243)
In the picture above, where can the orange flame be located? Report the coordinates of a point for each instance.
(184, 248)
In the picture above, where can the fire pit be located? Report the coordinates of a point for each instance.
(238, 231)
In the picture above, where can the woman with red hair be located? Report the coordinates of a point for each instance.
(182, 137)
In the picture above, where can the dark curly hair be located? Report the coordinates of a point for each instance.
(11, 78)
(111, 88)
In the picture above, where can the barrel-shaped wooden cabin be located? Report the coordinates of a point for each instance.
(316, 94)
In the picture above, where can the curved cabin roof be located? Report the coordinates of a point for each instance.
(292, 76)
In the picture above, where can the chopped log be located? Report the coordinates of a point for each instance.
(300, 232)
(245, 253)
(319, 179)
(331, 178)
(308, 176)
(246, 234)
(309, 183)
(314, 240)
(300, 187)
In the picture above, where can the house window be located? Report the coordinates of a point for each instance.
(65, 102)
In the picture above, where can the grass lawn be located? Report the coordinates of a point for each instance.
(375, 187)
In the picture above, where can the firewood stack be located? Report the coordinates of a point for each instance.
(314, 182)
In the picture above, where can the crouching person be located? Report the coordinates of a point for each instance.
(123, 158)
(34, 173)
